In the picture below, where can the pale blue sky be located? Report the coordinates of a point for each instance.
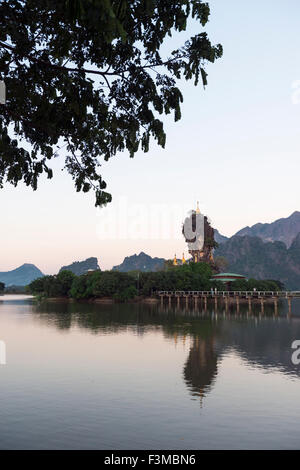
(236, 150)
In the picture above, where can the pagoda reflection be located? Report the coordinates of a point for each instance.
(201, 367)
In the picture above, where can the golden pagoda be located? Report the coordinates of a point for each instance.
(175, 261)
(183, 259)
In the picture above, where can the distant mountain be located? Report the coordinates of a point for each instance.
(219, 237)
(21, 276)
(81, 267)
(141, 262)
(271, 260)
(284, 230)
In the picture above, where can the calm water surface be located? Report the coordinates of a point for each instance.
(83, 376)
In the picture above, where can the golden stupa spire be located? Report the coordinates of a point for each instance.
(183, 259)
(197, 210)
(175, 260)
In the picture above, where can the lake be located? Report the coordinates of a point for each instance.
(138, 376)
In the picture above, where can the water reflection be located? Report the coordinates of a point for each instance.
(81, 375)
(200, 369)
(262, 339)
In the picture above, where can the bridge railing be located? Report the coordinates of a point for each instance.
(213, 293)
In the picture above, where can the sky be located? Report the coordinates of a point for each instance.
(235, 150)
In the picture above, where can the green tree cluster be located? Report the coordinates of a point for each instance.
(251, 284)
(125, 286)
(192, 276)
(120, 286)
(53, 286)
(2, 287)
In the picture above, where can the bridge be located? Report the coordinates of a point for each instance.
(227, 297)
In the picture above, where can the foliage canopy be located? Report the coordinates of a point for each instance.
(125, 286)
(89, 76)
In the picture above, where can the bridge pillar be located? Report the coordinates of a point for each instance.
(290, 305)
(237, 303)
(276, 305)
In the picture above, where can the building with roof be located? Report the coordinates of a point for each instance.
(228, 278)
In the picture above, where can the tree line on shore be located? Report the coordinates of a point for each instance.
(123, 286)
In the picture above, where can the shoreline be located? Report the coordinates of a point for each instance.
(148, 300)
(99, 300)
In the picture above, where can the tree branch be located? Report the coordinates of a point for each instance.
(96, 72)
